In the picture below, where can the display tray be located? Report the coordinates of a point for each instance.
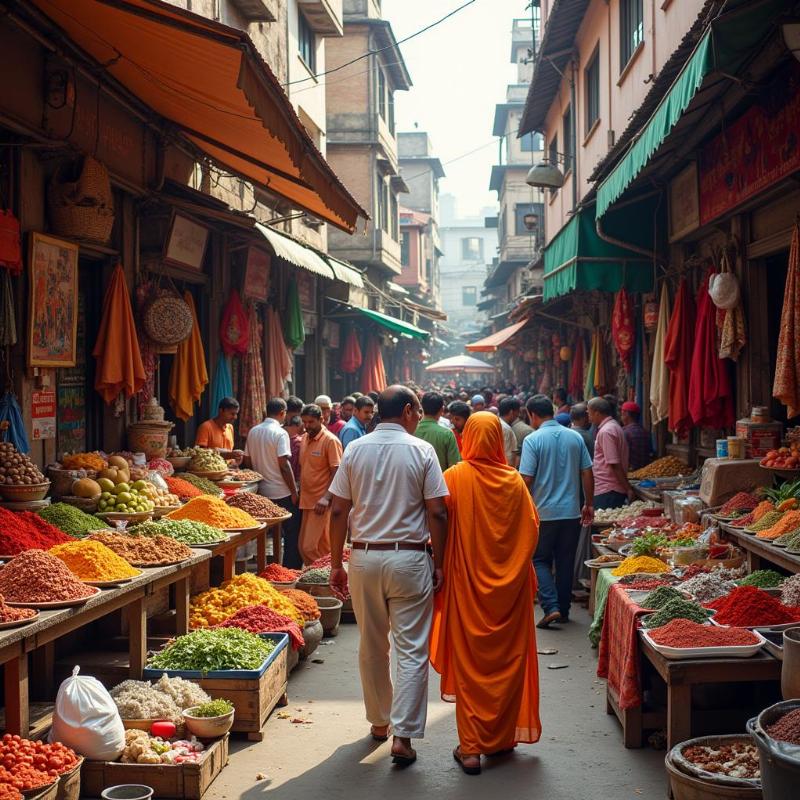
(157, 564)
(107, 584)
(273, 520)
(593, 564)
(760, 628)
(252, 528)
(57, 603)
(18, 623)
(162, 510)
(732, 651)
(214, 475)
(25, 505)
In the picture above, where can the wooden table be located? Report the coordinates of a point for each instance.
(760, 550)
(228, 549)
(17, 643)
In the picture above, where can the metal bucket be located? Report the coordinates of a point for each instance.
(780, 761)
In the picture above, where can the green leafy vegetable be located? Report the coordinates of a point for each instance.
(648, 545)
(216, 708)
(214, 649)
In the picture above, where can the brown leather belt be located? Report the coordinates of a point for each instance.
(389, 546)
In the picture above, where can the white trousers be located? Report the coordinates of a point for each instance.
(392, 593)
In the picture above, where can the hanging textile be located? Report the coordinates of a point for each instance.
(622, 330)
(786, 387)
(11, 413)
(373, 374)
(601, 384)
(710, 393)
(279, 359)
(119, 361)
(351, 354)
(234, 329)
(730, 321)
(588, 389)
(576, 374)
(10, 243)
(294, 332)
(254, 391)
(659, 373)
(678, 357)
(638, 365)
(188, 377)
(222, 385)
(8, 319)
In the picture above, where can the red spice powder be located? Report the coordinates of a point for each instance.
(645, 584)
(751, 606)
(261, 619)
(280, 574)
(182, 488)
(27, 531)
(685, 633)
(38, 577)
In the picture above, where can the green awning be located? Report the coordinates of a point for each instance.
(723, 48)
(578, 259)
(393, 324)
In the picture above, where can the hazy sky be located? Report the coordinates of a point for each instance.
(460, 70)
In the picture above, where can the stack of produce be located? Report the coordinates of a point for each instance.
(38, 577)
(213, 649)
(182, 530)
(787, 458)
(207, 461)
(27, 531)
(767, 521)
(25, 764)
(790, 591)
(164, 699)
(16, 469)
(217, 605)
(677, 609)
(786, 728)
(750, 607)
(203, 484)
(280, 574)
(141, 748)
(144, 551)
(260, 619)
(764, 507)
(125, 498)
(788, 522)
(245, 476)
(790, 540)
(70, 519)
(161, 466)
(763, 579)
(182, 488)
(11, 614)
(176, 452)
(256, 505)
(659, 597)
(735, 760)
(685, 633)
(160, 498)
(92, 462)
(92, 561)
(215, 512)
(320, 575)
(707, 586)
(9, 792)
(740, 504)
(666, 467)
(304, 603)
(605, 515)
(634, 564)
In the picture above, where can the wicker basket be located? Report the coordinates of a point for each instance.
(167, 320)
(85, 504)
(80, 201)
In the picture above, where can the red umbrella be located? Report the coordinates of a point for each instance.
(373, 374)
(351, 355)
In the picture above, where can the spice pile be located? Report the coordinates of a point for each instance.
(304, 603)
(736, 760)
(164, 699)
(634, 564)
(144, 551)
(70, 519)
(790, 540)
(203, 484)
(245, 476)
(763, 578)
(256, 505)
(666, 467)
(25, 764)
(182, 488)
(685, 633)
(707, 586)
(38, 577)
(280, 574)
(216, 605)
(260, 619)
(635, 583)
(790, 591)
(182, 530)
(786, 728)
(676, 609)
(93, 462)
(215, 512)
(659, 597)
(27, 531)
(213, 649)
(790, 521)
(318, 575)
(11, 614)
(91, 561)
(738, 505)
(8, 792)
(750, 607)
(764, 507)
(765, 522)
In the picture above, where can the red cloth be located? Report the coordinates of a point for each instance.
(710, 393)
(576, 375)
(373, 374)
(351, 355)
(234, 328)
(622, 329)
(678, 358)
(786, 386)
(618, 659)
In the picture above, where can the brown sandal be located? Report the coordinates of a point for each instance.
(468, 770)
(379, 737)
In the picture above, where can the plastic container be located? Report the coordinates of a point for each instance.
(736, 447)
(127, 791)
(780, 761)
(730, 651)
(722, 448)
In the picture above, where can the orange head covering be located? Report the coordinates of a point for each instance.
(482, 439)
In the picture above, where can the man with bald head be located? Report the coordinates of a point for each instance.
(391, 488)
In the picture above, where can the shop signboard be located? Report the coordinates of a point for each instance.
(755, 152)
(186, 243)
(43, 414)
(684, 203)
(256, 275)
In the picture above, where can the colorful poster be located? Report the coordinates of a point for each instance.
(43, 414)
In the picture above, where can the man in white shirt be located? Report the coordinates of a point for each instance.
(393, 484)
(268, 451)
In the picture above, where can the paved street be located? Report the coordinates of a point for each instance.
(580, 754)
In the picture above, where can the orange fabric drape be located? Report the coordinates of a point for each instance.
(279, 359)
(119, 360)
(483, 641)
(373, 373)
(189, 376)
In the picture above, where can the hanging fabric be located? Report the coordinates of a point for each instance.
(588, 389)
(786, 387)
(730, 318)
(234, 329)
(373, 373)
(279, 359)
(351, 354)
(11, 413)
(638, 364)
(601, 384)
(8, 319)
(622, 329)
(659, 373)
(294, 332)
(119, 360)
(254, 392)
(576, 375)
(10, 243)
(222, 384)
(189, 376)
(678, 357)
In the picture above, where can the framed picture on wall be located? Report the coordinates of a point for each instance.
(256, 275)
(186, 242)
(684, 203)
(53, 317)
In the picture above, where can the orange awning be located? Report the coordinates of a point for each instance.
(209, 80)
(494, 342)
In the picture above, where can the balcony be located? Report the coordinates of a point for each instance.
(256, 10)
(324, 16)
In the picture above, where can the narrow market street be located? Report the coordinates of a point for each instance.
(579, 755)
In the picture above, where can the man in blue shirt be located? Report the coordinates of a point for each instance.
(356, 426)
(554, 464)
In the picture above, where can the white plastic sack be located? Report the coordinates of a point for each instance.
(87, 720)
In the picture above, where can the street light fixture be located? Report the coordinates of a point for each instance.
(531, 221)
(545, 175)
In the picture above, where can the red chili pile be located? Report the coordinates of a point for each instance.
(325, 561)
(643, 522)
(38, 577)
(26, 531)
(749, 606)
(280, 574)
(26, 764)
(685, 633)
(182, 488)
(743, 501)
(646, 584)
(8, 792)
(787, 728)
(11, 614)
(261, 619)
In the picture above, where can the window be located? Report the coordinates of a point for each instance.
(531, 143)
(591, 78)
(631, 29)
(382, 197)
(405, 244)
(520, 212)
(552, 153)
(567, 121)
(394, 214)
(307, 43)
(469, 295)
(472, 249)
(390, 102)
(382, 110)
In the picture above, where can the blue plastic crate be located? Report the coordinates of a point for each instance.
(281, 640)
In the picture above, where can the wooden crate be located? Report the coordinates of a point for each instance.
(176, 781)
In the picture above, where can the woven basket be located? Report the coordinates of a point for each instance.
(167, 320)
(87, 504)
(80, 201)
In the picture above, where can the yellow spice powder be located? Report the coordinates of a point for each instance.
(634, 564)
(93, 561)
(214, 511)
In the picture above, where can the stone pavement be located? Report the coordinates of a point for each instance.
(580, 755)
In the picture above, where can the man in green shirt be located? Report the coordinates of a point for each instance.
(434, 433)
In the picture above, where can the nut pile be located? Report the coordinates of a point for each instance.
(143, 551)
(736, 760)
(16, 469)
(256, 505)
(666, 467)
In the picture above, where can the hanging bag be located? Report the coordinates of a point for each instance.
(167, 318)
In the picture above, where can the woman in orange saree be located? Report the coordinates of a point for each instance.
(483, 642)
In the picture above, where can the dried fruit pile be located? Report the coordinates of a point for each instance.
(144, 551)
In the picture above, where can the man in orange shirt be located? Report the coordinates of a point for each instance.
(320, 455)
(217, 433)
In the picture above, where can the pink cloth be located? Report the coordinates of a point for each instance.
(336, 427)
(610, 448)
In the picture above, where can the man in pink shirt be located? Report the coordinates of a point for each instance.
(610, 468)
